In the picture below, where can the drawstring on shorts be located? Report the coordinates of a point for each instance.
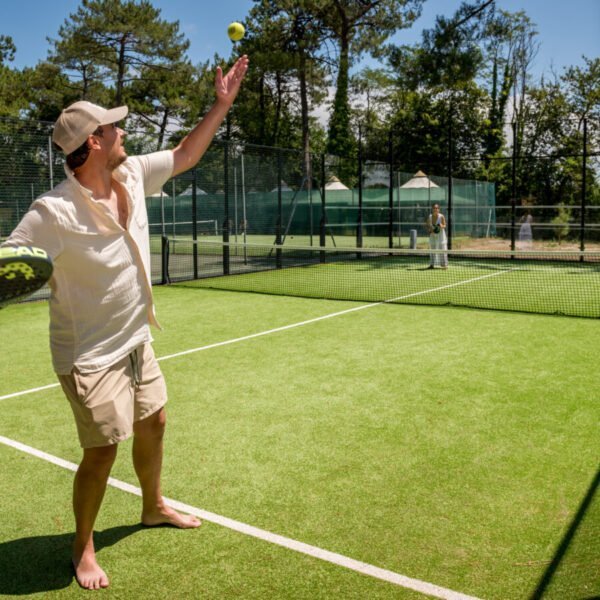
(135, 369)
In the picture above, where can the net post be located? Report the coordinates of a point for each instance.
(513, 200)
(323, 211)
(195, 221)
(164, 260)
(279, 208)
(226, 263)
(450, 188)
(391, 191)
(583, 190)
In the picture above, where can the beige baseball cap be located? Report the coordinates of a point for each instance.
(81, 119)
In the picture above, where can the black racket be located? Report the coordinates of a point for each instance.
(23, 270)
(436, 229)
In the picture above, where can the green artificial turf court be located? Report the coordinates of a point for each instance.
(564, 288)
(454, 446)
(536, 282)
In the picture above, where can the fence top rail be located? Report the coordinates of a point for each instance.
(552, 206)
(525, 156)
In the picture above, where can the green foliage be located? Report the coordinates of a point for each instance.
(466, 72)
(116, 41)
(7, 49)
(162, 97)
(372, 88)
(340, 139)
(449, 59)
(265, 112)
(505, 38)
(49, 90)
(286, 80)
(583, 89)
(357, 27)
(12, 85)
(561, 223)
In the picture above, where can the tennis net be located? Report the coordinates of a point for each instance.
(566, 283)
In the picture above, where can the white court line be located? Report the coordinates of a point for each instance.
(31, 391)
(331, 557)
(329, 316)
(286, 327)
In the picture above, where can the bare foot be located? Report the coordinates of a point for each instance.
(88, 573)
(168, 516)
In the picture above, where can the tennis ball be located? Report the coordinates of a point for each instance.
(235, 31)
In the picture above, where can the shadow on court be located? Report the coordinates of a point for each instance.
(43, 563)
(574, 571)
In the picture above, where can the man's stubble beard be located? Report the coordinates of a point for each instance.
(116, 162)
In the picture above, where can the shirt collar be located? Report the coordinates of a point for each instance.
(121, 174)
(71, 177)
(98, 212)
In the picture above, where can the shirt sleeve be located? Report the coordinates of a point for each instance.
(37, 228)
(156, 169)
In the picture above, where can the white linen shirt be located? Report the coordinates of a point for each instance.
(101, 305)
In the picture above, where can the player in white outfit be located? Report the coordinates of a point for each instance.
(525, 233)
(436, 226)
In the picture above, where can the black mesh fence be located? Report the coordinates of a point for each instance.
(248, 194)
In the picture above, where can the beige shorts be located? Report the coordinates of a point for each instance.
(107, 403)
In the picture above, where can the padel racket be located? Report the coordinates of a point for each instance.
(23, 270)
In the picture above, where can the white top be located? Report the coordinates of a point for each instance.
(101, 302)
(437, 222)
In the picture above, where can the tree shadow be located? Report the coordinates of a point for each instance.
(42, 563)
(576, 555)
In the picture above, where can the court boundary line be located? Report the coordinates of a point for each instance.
(286, 327)
(31, 391)
(340, 560)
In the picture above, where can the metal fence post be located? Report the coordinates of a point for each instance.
(513, 199)
(279, 208)
(226, 253)
(359, 220)
(323, 222)
(583, 189)
(391, 192)
(51, 162)
(450, 190)
(164, 254)
(195, 222)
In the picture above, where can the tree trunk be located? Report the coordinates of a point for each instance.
(277, 110)
(120, 73)
(162, 129)
(305, 121)
(339, 141)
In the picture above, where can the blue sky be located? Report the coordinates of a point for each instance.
(566, 29)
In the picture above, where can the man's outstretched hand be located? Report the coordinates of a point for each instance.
(228, 86)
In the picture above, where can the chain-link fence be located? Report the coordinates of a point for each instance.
(248, 193)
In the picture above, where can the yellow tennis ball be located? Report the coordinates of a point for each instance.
(235, 31)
